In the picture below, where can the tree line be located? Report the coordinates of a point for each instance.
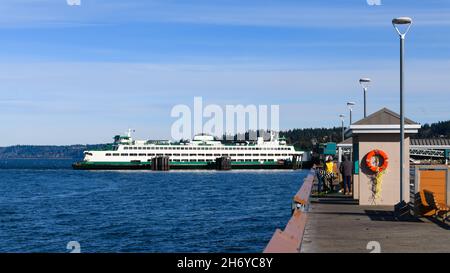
(302, 139)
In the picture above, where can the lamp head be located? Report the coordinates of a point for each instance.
(350, 105)
(402, 21)
(364, 82)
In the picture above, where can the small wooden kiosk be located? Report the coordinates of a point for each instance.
(380, 133)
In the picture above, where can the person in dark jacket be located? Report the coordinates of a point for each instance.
(346, 170)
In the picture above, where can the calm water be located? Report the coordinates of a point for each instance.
(45, 204)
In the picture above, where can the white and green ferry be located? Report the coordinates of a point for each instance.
(200, 153)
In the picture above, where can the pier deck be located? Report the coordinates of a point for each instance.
(338, 224)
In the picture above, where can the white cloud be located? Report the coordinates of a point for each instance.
(103, 98)
(56, 13)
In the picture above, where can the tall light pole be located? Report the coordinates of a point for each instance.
(397, 22)
(365, 84)
(350, 105)
(342, 121)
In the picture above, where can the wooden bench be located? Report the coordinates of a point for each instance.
(440, 209)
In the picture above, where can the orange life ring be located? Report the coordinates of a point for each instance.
(373, 167)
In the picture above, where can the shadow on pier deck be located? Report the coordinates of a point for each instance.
(337, 224)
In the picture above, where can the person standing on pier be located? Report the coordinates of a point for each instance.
(346, 170)
(329, 169)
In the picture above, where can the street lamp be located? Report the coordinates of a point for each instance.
(397, 23)
(365, 84)
(350, 105)
(342, 121)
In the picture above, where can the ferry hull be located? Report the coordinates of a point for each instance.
(148, 166)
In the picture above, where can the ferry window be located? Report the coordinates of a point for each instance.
(240, 154)
(176, 154)
(216, 154)
(193, 160)
(168, 154)
(209, 155)
(142, 154)
(134, 148)
(151, 154)
(248, 160)
(159, 154)
(176, 160)
(133, 154)
(125, 148)
(193, 154)
(208, 160)
(116, 154)
(234, 160)
(232, 154)
(201, 160)
(139, 148)
(201, 154)
(284, 154)
(224, 154)
(184, 154)
(108, 154)
(124, 154)
(263, 154)
(277, 154)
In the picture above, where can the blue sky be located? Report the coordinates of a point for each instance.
(79, 74)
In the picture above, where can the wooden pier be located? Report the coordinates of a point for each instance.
(337, 224)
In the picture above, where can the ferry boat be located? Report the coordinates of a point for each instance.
(199, 153)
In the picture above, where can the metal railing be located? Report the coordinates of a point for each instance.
(290, 239)
(427, 152)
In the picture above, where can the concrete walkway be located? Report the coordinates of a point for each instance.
(338, 224)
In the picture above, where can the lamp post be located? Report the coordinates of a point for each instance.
(342, 121)
(397, 23)
(350, 105)
(365, 84)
